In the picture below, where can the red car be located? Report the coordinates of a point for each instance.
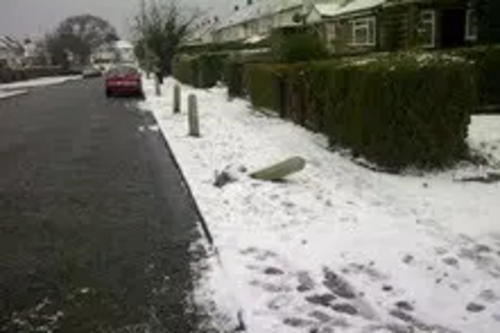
(124, 80)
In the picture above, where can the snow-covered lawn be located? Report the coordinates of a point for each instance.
(44, 81)
(337, 247)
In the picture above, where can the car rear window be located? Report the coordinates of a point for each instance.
(122, 71)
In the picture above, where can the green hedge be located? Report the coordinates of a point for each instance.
(183, 69)
(211, 67)
(396, 110)
(234, 78)
(202, 71)
(487, 64)
(400, 111)
(262, 83)
(297, 44)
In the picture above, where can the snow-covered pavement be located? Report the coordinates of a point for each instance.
(44, 81)
(8, 94)
(339, 247)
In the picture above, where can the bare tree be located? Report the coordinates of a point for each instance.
(13, 45)
(79, 35)
(160, 28)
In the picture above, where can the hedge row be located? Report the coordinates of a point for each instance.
(296, 44)
(487, 64)
(234, 78)
(396, 111)
(11, 75)
(202, 71)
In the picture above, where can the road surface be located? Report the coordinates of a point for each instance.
(95, 224)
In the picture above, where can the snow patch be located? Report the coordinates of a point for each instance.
(40, 82)
(8, 94)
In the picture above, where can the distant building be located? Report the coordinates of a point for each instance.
(11, 53)
(116, 52)
(8, 57)
(257, 19)
(124, 51)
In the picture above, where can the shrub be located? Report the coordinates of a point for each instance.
(211, 69)
(487, 64)
(396, 110)
(403, 109)
(234, 71)
(184, 69)
(263, 84)
(233, 78)
(297, 44)
(202, 71)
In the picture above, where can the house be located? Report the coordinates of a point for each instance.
(354, 26)
(120, 51)
(7, 57)
(347, 26)
(124, 51)
(408, 24)
(204, 31)
(11, 53)
(257, 18)
(105, 54)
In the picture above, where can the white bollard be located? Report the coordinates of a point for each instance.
(194, 125)
(177, 99)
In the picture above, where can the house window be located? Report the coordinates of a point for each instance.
(471, 25)
(364, 31)
(427, 28)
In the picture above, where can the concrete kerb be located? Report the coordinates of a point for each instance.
(204, 225)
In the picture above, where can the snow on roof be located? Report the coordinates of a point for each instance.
(202, 31)
(336, 9)
(123, 44)
(259, 9)
(205, 24)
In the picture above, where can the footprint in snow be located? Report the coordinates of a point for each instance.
(306, 282)
(272, 288)
(338, 285)
(489, 296)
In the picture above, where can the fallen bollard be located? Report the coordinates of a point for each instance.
(281, 170)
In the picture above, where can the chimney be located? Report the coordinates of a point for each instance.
(236, 8)
(249, 2)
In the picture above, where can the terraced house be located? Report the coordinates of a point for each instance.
(352, 26)
(255, 19)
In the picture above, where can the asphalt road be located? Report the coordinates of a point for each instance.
(95, 224)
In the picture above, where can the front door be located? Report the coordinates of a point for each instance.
(452, 28)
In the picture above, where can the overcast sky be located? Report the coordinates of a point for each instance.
(23, 18)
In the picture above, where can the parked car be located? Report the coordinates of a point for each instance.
(124, 80)
(90, 72)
